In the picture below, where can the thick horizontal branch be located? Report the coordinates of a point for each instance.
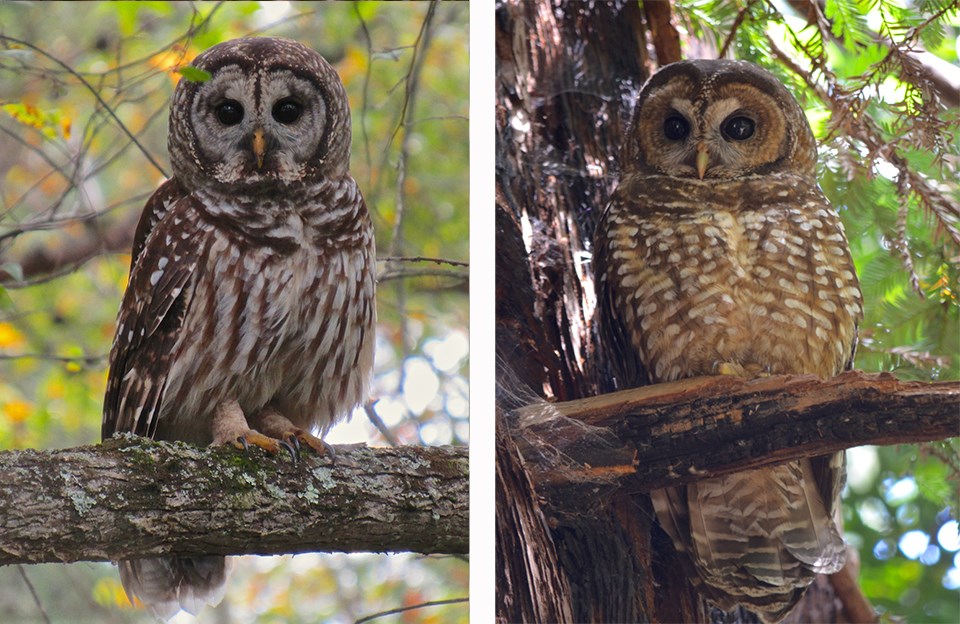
(132, 497)
(708, 426)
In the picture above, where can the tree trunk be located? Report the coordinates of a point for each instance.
(567, 74)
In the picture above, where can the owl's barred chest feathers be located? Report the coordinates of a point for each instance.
(699, 288)
(284, 305)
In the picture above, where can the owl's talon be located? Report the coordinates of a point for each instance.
(243, 443)
(330, 450)
(292, 439)
(290, 448)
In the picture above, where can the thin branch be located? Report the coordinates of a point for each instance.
(381, 426)
(459, 263)
(88, 360)
(398, 274)
(365, 93)
(406, 114)
(431, 603)
(741, 14)
(95, 93)
(33, 593)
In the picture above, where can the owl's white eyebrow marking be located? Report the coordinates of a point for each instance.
(684, 106)
(720, 110)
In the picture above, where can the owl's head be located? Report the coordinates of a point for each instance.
(273, 113)
(718, 119)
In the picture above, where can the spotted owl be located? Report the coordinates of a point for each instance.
(249, 314)
(719, 254)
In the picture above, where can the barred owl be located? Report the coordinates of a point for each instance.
(249, 314)
(719, 254)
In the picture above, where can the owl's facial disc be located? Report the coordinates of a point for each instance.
(711, 129)
(256, 128)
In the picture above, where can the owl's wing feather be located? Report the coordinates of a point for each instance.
(154, 307)
(626, 367)
(812, 535)
(159, 204)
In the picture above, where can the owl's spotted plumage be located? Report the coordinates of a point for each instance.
(250, 308)
(719, 254)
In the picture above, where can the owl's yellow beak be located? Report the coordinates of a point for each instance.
(703, 159)
(260, 146)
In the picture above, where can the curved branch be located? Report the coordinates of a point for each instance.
(694, 429)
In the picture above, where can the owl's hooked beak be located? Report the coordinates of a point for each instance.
(702, 160)
(260, 146)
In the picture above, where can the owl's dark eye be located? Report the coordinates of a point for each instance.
(675, 127)
(230, 113)
(287, 111)
(738, 128)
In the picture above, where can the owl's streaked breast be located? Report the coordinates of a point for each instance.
(286, 321)
(763, 282)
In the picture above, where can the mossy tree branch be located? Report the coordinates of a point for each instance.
(131, 497)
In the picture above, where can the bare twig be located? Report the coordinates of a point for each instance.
(400, 274)
(33, 592)
(365, 93)
(425, 259)
(381, 426)
(95, 94)
(741, 14)
(431, 603)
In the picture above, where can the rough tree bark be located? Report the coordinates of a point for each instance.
(704, 427)
(567, 76)
(133, 497)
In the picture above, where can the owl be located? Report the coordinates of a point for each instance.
(249, 313)
(719, 254)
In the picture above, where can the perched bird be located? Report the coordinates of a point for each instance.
(720, 254)
(249, 316)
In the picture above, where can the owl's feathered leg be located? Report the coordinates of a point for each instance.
(230, 427)
(276, 425)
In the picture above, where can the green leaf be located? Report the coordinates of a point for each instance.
(194, 74)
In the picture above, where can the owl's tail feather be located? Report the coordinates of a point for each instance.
(755, 538)
(168, 584)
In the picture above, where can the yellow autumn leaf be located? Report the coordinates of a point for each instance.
(48, 122)
(171, 60)
(109, 593)
(10, 336)
(17, 411)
